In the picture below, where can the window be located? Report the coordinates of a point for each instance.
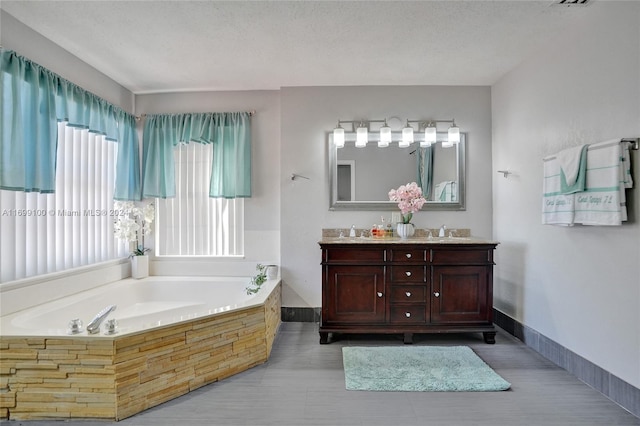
(43, 233)
(192, 223)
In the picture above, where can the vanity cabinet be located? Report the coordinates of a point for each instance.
(407, 288)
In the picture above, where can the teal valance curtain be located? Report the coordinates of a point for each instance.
(230, 134)
(425, 170)
(32, 101)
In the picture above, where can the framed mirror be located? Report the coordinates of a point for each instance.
(361, 178)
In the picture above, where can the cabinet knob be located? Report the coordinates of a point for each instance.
(407, 314)
(408, 255)
(408, 273)
(408, 293)
(379, 294)
(436, 294)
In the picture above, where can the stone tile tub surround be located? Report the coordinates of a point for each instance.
(114, 377)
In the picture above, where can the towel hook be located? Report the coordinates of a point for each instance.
(294, 176)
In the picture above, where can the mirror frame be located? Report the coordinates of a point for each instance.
(334, 204)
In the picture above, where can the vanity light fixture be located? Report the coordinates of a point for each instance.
(386, 136)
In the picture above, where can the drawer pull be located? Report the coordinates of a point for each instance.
(408, 273)
(408, 293)
(436, 294)
(407, 314)
(379, 294)
(408, 255)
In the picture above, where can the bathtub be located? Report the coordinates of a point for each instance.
(173, 335)
(141, 304)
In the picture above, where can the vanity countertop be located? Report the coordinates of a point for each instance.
(397, 240)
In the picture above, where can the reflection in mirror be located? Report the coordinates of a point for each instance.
(362, 177)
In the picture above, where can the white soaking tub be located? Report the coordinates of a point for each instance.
(174, 334)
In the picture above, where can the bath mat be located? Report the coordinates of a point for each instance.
(418, 369)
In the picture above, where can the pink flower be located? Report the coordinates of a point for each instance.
(409, 198)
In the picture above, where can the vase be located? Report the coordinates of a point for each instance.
(140, 266)
(405, 230)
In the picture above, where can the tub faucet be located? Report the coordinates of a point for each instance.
(94, 326)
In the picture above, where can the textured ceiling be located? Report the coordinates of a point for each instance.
(160, 46)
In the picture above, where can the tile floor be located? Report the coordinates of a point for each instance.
(303, 384)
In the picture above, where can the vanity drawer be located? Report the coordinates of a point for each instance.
(459, 256)
(408, 293)
(408, 314)
(408, 255)
(408, 273)
(354, 255)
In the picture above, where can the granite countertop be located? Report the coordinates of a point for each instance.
(422, 236)
(413, 240)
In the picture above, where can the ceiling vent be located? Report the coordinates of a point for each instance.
(570, 3)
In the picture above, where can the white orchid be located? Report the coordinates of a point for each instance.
(133, 223)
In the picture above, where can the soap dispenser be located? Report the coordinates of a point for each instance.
(443, 228)
(352, 232)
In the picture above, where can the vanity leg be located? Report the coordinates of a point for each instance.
(408, 338)
(489, 337)
(324, 338)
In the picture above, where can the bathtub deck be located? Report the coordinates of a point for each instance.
(62, 378)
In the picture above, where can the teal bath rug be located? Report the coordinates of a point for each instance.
(418, 369)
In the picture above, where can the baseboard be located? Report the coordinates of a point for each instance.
(300, 314)
(614, 388)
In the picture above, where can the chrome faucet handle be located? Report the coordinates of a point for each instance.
(75, 326)
(110, 326)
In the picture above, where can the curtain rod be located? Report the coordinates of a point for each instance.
(141, 116)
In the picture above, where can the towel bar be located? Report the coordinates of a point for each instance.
(635, 143)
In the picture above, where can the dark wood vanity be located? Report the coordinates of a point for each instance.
(407, 287)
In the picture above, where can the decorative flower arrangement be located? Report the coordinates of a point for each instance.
(133, 223)
(409, 198)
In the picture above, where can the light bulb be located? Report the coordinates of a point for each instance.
(454, 133)
(407, 136)
(338, 136)
(385, 135)
(429, 135)
(361, 137)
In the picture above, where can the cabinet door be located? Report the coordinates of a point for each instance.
(460, 295)
(353, 295)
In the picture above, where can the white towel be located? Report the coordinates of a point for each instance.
(603, 200)
(446, 191)
(557, 208)
(569, 160)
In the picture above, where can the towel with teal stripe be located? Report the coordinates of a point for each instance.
(602, 201)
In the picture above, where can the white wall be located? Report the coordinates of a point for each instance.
(309, 113)
(16, 36)
(262, 210)
(579, 286)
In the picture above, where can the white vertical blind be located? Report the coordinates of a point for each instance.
(192, 223)
(43, 233)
